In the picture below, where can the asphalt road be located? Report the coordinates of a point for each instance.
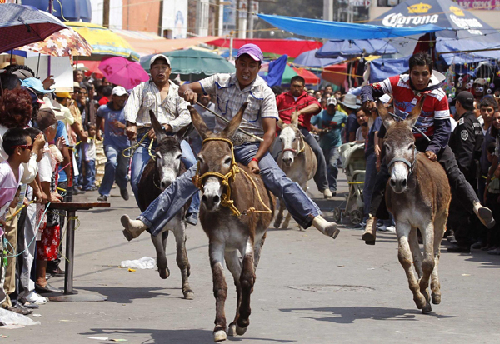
(309, 289)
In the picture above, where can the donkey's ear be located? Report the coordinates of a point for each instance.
(231, 128)
(386, 117)
(158, 128)
(295, 117)
(280, 123)
(198, 123)
(416, 111)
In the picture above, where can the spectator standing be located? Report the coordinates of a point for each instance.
(115, 141)
(89, 157)
(351, 107)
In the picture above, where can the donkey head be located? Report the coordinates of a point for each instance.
(215, 156)
(400, 150)
(168, 154)
(291, 141)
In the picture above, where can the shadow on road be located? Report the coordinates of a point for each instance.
(194, 336)
(127, 294)
(347, 315)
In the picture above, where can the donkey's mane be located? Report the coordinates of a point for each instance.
(399, 132)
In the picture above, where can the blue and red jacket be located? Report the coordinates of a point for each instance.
(434, 121)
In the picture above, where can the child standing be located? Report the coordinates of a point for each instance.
(89, 160)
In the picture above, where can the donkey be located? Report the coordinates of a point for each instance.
(228, 188)
(296, 159)
(158, 174)
(418, 195)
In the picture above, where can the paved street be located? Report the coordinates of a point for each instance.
(309, 289)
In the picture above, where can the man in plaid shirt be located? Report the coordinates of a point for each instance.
(229, 92)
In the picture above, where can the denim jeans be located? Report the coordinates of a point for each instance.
(140, 160)
(332, 158)
(165, 206)
(89, 180)
(320, 177)
(78, 180)
(115, 169)
(370, 176)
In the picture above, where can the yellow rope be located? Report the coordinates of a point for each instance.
(134, 147)
(9, 218)
(226, 200)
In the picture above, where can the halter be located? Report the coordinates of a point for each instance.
(410, 165)
(226, 200)
(294, 150)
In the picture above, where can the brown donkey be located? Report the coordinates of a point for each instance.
(418, 195)
(229, 188)
(296, 159)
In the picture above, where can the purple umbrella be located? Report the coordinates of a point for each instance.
(122, 72)
(21, 25)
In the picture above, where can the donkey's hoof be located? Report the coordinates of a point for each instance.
(164, 272)
(277, 224)
(241, 330)
(231, 330)
(189, 295)
(427, 308)
(369, 238)
(436, 298)
(220, 336)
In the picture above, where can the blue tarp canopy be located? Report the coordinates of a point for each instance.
(71, 10)
(355, 47)
(309, 59)
(336, 30)
(459, 48)
(384, 68)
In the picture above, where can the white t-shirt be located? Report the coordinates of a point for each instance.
(90, 150)
(8, 185)
(45, 166)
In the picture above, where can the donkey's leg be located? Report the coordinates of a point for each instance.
(405, 258)
(439, 229)
(247, 281)
(233, 263)
(257, 251)
(415, 250)
(427, 263)
(182, 259)
(216, 254)
(160, 243)
(287, 221)
(279, 216)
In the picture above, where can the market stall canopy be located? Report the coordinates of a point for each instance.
(292, 48)
(193, 65)
(384, 68)
(336, 30)
(104, 42)
(309, 59)
(355, 47)
(336, 74)
(21, 25)
(147, 43)
(466, 51)
(67, 10)
(290, 71)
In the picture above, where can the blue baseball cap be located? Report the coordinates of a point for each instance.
(35, 84)
(252, 50)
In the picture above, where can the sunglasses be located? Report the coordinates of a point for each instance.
(25, 146)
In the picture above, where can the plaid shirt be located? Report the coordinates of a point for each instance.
(228, 98)
(146, 96)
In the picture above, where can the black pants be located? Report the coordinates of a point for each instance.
(458, 184)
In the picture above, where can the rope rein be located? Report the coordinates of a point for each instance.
(226, 200)
(133, 148)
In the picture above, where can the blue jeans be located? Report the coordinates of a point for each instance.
(332, 158)
(78, 180)
(115, 169)
(370, 176)
(140, 160)
(299, 205)
(89, 180)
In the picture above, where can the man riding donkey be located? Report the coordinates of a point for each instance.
(432, 132)
(231, 91)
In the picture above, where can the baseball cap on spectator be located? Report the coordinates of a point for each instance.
(35, 84)
(251, 50)
(331, 101)
(63, 95)
(45, 118)
(119, 91)
(158, 56)
(466, 99)
(76, 84)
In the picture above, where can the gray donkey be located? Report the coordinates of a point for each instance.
(418, 195)
(158, 174)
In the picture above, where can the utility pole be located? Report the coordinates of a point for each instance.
(160, 20)
(237, 18)
(249, 19)
(105, 13)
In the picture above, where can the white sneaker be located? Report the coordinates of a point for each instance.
(34, 297)
(327, 193)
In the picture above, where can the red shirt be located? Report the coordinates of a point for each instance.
(103, 101)
(287, 104)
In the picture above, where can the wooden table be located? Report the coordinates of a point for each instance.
(69, 294)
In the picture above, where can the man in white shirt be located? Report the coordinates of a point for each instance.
(159, 95)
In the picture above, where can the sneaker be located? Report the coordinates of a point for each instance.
(124, 194)
(19, 309)
(477, 245)
(102, 198)
(327, 193)
(192, 218)
(34, 297)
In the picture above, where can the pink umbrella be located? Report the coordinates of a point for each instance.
(122, 72)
